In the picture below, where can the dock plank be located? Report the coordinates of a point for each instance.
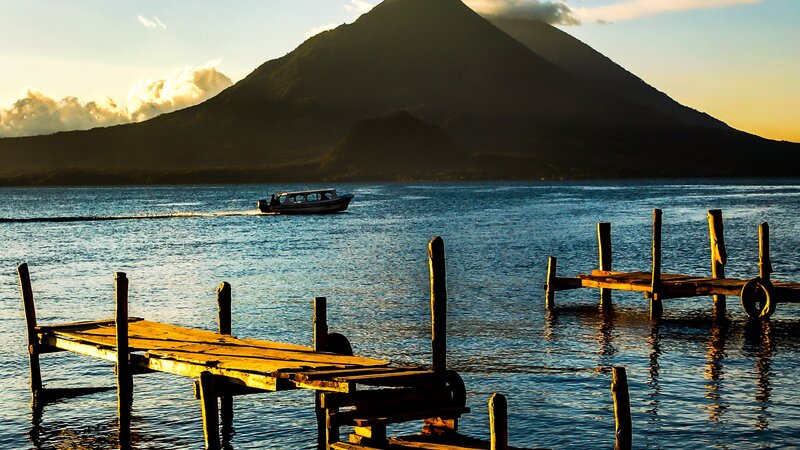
(675, 285)
(183, 351)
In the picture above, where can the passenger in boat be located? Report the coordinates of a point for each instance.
(325, 196)
(273, 201)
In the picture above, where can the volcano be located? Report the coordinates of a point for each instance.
(414, 89)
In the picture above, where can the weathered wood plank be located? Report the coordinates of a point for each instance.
(158, 338)
(399, 379)
(77, 326)
(358, 418)
(381, 397)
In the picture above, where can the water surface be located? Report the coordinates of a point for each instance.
(693, 384)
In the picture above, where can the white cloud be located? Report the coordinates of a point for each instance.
(356, 7)
(154, 23)
(554, 12)
(36, 113)
(359, 7)
(182, 88)
(634, 9)
(317, 30)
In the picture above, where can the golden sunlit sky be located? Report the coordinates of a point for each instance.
(86, 63)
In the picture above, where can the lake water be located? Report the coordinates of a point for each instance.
(693, 384)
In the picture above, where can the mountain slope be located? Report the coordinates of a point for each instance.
(441, 72)
(596, 70)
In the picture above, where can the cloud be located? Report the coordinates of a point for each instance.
(634, 9)
(359, 7)
(356, 7)
(317, 30)
(553, 12)
(155, 23)
(36, 113)
(182, 88)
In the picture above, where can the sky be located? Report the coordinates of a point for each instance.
(83, 63)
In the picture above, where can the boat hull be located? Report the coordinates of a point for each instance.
(320, 207)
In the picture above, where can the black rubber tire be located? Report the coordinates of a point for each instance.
(748, 298)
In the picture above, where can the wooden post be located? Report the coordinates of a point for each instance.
(656, 308)
(438, 304)
(764, 261)
(320, 322)
(124, 372)
(719, 256)
(225, 327)
(604, 250)
(29, 307)
(550, 288)
(498, 422)
(208, 401)
(622, 408)
(224, 308)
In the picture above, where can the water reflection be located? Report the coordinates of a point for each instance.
(550, 325)
(604, 337)
(714, 369)
(759, 340)
(654, 341)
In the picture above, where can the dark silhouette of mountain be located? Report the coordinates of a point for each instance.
(596, 70)
(377, 98)
(395, 147)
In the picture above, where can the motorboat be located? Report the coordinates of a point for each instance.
(315, 201)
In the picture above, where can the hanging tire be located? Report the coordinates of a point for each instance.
(758, 299)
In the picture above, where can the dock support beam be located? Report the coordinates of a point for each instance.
(550, 287)
(498, 422)
(764, 262)
(224, 314)
(719, 256)
(622, 408)
(208, 400)
(604, 250)
(29, 308)
(320, 322)
(438, 304)
(124, 372)
(656, 308)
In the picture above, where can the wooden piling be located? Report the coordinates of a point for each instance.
(225, 323)
(719, 256)
(224, 308)
(550, 289)
(208, 400)
(498, 422)
(604, 251)
(29, 307)
(764, 261)
(622, 408)
(656, 308)
(436, 263)
(124, 372)
(320, 322)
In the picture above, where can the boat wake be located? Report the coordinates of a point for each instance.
(133, 217)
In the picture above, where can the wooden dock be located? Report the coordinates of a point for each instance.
(759, 295)
(362, 393)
